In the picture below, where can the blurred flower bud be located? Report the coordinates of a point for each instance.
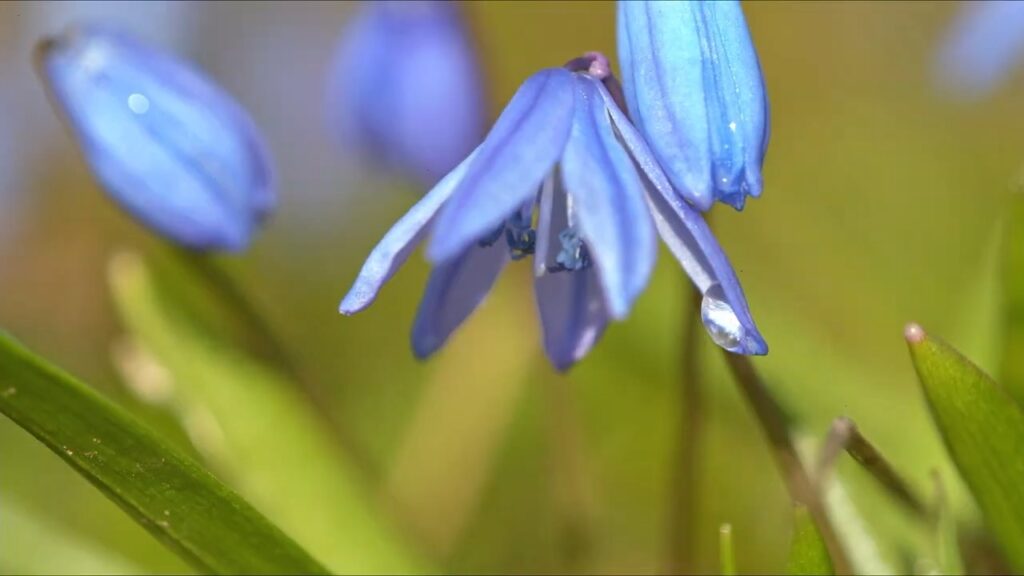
(982, 47)
(406, 90)
(694, 89)
(170, 146)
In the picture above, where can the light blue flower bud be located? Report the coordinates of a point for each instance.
(982, 47)
(406, 89)
(170, 146)
(694, 89)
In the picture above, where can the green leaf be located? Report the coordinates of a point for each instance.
(257, 430)
(807, 553)
(983, 429)
(1012, 371)
(170, 495)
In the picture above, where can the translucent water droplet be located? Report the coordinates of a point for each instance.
(138, 103)
(719, 320)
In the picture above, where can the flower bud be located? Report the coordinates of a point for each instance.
(406, 90)
(694, 89)
(166, 143)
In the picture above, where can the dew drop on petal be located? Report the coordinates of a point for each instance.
(138, 103)
(719, 320)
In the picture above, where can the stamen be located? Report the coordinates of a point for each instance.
(519, 235)
(521, 243)
(574, 254)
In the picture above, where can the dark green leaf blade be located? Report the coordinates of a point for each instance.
(170, 495)
(983, 429)
(807, 553)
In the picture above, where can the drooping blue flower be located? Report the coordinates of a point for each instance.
(406, 90)
(565, 177)
(165, 142)
(694, 89)
(984, 44)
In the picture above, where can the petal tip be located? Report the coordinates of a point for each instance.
(702, 201)
(355, 301)
(423, 348)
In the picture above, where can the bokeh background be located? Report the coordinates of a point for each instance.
(882, 205)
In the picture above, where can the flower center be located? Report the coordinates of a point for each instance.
(521, 238)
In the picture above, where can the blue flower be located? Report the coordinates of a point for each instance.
(984, 44)
(170, 146)
(406, 88)
(563, 150)
(695, 91)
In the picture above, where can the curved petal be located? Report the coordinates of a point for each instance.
(511, 163)
(571, 304)
(454, 291)
(607, 200)
(393, 250)
(689, 238)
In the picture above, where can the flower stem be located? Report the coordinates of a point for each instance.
(572, 492)
(844, 436)
(264, 340)
(726, 555)
(798, 482)
(685, 477)
(229, 294)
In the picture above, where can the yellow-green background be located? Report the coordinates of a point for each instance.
(882, 204)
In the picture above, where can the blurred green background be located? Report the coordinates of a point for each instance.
(882, 205)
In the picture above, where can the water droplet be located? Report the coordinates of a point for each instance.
(138, 103)
(719, 320)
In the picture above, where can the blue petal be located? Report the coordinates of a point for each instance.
(571, 303)
(393, 250)
(694, 88)
(689, 238)
(985, 42)
(406, 88)
(170, 146)
(513, 160)
(454, 291)
(607, 200)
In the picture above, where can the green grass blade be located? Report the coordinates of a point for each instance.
(983, 429)
(256, 429)
(726, 553)
(170, 495)
(807, 553)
